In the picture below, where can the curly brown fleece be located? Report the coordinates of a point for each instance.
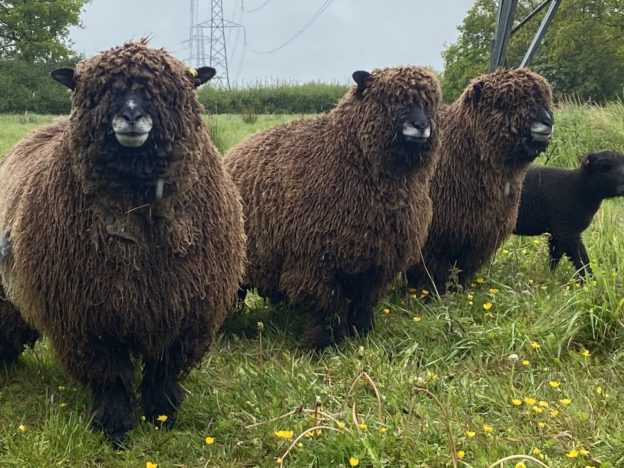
(101, 266)
(477, 184)
(332, 211)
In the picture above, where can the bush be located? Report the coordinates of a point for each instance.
(278, 98)
(27, 87)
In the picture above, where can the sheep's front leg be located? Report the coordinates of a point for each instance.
(15, 333)
(110, 375)
(160, 391)
(575, 250)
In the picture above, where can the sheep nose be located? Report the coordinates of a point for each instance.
(418, 118)
(131, 115)
(543, 116)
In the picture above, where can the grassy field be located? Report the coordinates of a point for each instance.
(525, 367)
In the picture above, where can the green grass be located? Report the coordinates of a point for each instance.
(520, 332)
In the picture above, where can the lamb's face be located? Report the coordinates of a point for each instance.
(511, 111)
(604, 173)
(131, 122)
(402, 103)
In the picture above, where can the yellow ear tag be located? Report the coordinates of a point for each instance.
(192, 71)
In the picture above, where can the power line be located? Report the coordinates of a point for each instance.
(253, 10)
(303, 29)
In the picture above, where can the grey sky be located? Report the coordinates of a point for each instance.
(349, 35)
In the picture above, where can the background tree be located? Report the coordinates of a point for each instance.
(37, 30)
(582, 52)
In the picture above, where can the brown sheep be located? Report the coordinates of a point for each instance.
(124, 232)
(336, 206)
(489, 136)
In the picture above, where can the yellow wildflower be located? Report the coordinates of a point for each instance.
(537, 409)
(537, 452)
(354, 461)
(386, 310)
(529, 400)
(279, 460)
(525, 362)
(284, 434)
(583, 452)
(340, 424)
(516, 401)
(585, 353)
(541, 424)
(535, 345)
(209, 440)
(493, 290)
(554, 413)
(554, 383)
(565, 401)
(520, 465)
(543, 404)
(480, 280)
(469, 297)
(424, 292)
(382, 430)
(162, 418)
(461, 454)
(505, 251)
(21, 428)
(416, 318)
(487, 306)
(151, 465)
(572, 453)
(470, 433)
(487, 428)
(411, 290)
(62, 405)
(363, 426)
(599, 390)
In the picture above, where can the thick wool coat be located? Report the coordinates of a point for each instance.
(99, 263)
(332, 214)
(477, 184)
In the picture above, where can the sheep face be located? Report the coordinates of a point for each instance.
(604, 172)
(511, 110)
(131, 123)
(398, 105)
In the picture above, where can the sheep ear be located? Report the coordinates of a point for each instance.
(477, 91)
(362, 78)
(65, 76)
(203, 75)
(588, 161)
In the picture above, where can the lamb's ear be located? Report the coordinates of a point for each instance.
(588, 161)
(202, 75)
(362, 79)
(65, 76)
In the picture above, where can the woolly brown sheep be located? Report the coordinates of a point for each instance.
(563, 202)
(125, 234)
(337, 205)
(489, 136)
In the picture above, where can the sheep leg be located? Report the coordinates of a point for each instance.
(325, 322)
(110, 375)
(361, 316)
(575, 250)
(15, 333)
(556, 252)
(160, 390)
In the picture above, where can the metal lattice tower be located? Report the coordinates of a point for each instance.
(504, 30)
(213, 41)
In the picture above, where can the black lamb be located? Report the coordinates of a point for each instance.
(562, 202)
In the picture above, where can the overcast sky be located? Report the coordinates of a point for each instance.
(341, 36)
